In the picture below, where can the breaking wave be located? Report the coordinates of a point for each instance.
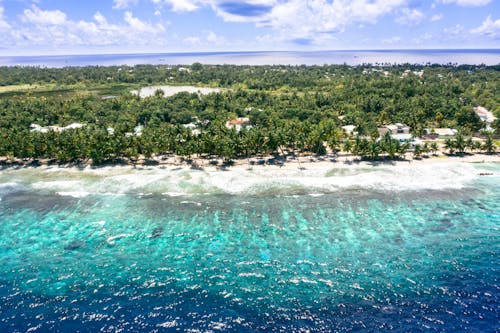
(169, 181)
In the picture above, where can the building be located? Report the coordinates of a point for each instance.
(46, 129)
(349, 129)
(485, 115)
(193, 128)
(396, 128)
(445, 132)
(238, 124)
(402, 137)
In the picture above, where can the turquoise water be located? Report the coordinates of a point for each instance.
(349, 259)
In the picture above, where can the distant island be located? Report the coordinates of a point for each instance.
(223, 113)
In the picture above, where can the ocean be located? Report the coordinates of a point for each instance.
(336, 248)
(460, 57)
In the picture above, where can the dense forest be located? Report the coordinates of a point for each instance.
(291, 109)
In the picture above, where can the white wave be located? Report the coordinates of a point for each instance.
(74, 194)
(251, 274)
(112, 240)
(56, 184)
(316, 180)
(9, 187)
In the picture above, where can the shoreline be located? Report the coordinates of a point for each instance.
(312, 176)
(265, 162)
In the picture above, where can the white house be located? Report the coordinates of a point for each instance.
(484, 114)
(41, 129)
(445, 131)
(238, 124)
(349, 129)
(396, 128)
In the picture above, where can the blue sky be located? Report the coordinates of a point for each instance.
(140, 26)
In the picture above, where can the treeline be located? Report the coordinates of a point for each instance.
(216, 141)
(291, 108)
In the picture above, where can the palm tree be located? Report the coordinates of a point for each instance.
(477, 146)
(434, 147)
(347, 146)
(374, 150)
(449, 144)
(403, 148)
(417, 151)
(489, 146)
(460, 143)
(469, 144)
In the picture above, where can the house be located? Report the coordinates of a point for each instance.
(238, 124)
(402, 137)
(38, 128)
(485, 115)
(193, 127)
(73, 126)
(445, 132)
(399, 128)
(41, 129)
(349, 129)
(416, 73)
(138, 130)
(396, 128)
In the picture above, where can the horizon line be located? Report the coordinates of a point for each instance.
(249, 52)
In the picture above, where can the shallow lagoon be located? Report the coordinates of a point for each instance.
(124, 250)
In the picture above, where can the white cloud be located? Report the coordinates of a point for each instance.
(43, 17)
(392, 40)
(436, 17)
(423, 39)
(312, 20)
(122, 4)
(138, 25)
(467, 3)
(53, 28)
(192, 41)
(4, 25)
(212, 37)
(456, 30)
(409, 16)
(295, 18)
(181, 5)
(208, 38)
(489, 28)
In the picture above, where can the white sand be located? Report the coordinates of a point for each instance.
(172, 90)
(311, 163)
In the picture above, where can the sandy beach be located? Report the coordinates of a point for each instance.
(314, 162)
(263, 162)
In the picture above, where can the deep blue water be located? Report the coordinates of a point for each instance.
(287, 260)
(472, 57)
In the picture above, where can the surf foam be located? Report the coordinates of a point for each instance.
(289, 180)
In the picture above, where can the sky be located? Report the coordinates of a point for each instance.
(51, 27)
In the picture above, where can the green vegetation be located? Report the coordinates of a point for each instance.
(292, 109)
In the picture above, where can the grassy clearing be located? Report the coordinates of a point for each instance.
(25, 87)
(65, 90)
